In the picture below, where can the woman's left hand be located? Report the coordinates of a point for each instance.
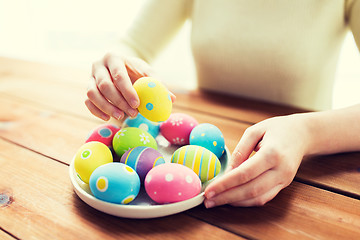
(252, 180)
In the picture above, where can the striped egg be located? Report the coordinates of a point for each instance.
(202, 161)
(142, 160)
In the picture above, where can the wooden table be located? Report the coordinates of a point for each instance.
(43, 121)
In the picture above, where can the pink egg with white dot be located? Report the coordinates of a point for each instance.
(172, 182)
(177, 128)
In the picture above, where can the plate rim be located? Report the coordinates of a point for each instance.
(137, 211)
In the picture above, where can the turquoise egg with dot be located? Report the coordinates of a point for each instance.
(115, 183)
(208, 136)
(141, 122)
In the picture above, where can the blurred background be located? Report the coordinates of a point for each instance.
(78, 32)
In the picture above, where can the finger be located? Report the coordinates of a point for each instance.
(134, 72)
(250, 139)
(244, 173)
(111, 93)
(253, 189)
(96, 111)
(260, 200)
(122, 80)
(103, 105)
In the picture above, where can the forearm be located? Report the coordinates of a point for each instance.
(333, 131)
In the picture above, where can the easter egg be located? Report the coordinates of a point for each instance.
(171, 182)
(202, 161)
(208, 136)
(142, 160)
(131, 137)
(115, 182)
(155, 100)
(90, 156)
(177, 128)
(104, 133)
(141, 122)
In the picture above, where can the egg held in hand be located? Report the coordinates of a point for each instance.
(208, 136)
(90, 156)
(202, 161)
(177, 128)
(155, 100)
(115, 182)
(171, 182)
(142, 160)
(131, 137)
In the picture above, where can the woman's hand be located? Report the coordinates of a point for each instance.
(111, 92)
(252, 180)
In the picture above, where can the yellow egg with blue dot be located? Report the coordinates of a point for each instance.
(155, 100)
(115, 182)
(90, 156)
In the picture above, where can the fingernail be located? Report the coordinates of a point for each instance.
(117, 115)
(210, 195)
(209, 204)
(132, 112)
(105, 117)
(134, 103)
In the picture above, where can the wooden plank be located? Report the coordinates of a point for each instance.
(44, 131)
(54, 91)
(5, 236)
(298, 212)
(59, 135)
(241, 109)
(44, 206)
(338, 172)
(54, 135)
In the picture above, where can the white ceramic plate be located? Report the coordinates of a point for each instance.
(142, 206)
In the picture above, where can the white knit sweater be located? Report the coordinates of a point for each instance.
(275, 50)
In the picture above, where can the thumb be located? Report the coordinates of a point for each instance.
(247, 144)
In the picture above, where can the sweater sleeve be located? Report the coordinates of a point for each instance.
(353, 16)
(156, 24)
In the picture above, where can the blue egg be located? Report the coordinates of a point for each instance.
(115, 182)
(141, 122)
(208, 136)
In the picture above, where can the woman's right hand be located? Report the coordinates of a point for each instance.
(110, 93)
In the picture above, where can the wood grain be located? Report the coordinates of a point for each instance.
(59, 135)
(6, 236)
(298, 212)
(44, 206)
(43, 121)
(232, 107)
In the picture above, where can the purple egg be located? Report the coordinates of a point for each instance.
(142, 160)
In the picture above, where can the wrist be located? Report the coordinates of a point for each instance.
(333, 131)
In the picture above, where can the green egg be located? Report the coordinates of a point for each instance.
(131, 137)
